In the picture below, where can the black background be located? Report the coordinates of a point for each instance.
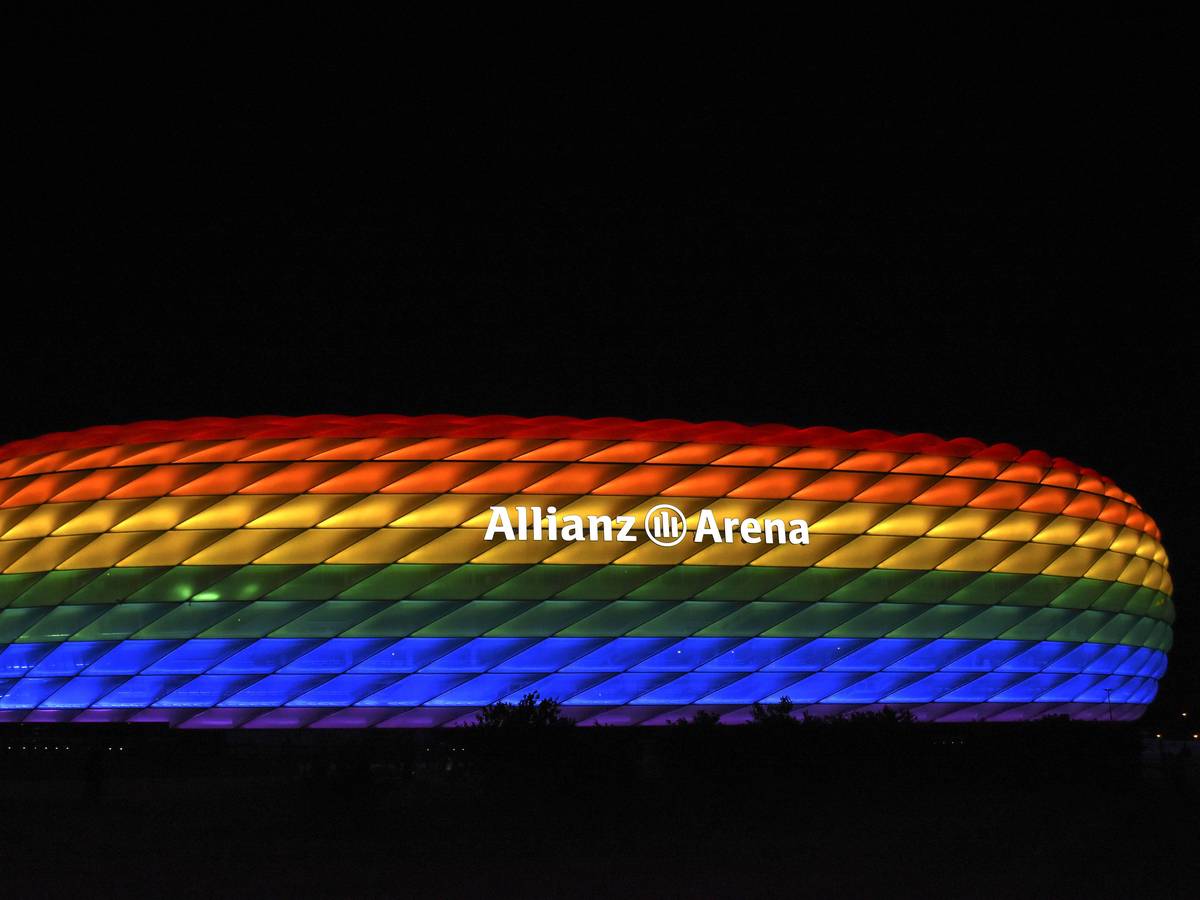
(995, 248)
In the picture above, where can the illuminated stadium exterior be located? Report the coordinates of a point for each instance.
(330, 571)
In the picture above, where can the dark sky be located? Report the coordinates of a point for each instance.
(1003, 252)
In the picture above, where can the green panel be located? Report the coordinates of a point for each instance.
(1162, 608)
(547, 618)
(1039, 590)
(611, 583)
(467, 582)
(991, 623)
(936, 621)
(989, 588)
(934, 587)
(617, 618)
(878, 620)
(475, 618)
(395, 582)
(747, 583)
(874, 585)
(14, 622)
(1115, 597)
(12, 586)
(187, 620)
(180, 583)
(244, 584)
(1141, 602)
(55, 587)
(679, 583)
(1160, 637)
(815, 620)
(1116, 629)
(322, 582)
(539, 582)
(685, 619)
(1080, 595)
(1043, 623)
(331, 618)
(60, 623)
(403, 617)
(813, 584)
(258, 619)
(750, 620)
(121, 621)
(1082, 627)
(115, 585)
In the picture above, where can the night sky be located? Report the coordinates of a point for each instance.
(997, 254)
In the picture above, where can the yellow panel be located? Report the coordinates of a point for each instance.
(589, 553)
(519, 552)
(235, 511)
(865, 552)
(1128, 541)
(731, 508)
(171, 548)
(455, 546)
(648, 553)
(968, 523)
(803, 555)
(1160, 555)
(386, 545)
(14, 550)
(911, 520)
(1136, 571)
(304, 511)
(101, 516)
(686, 505)
(10, 517)
(314, 546)
(1154, 577)
(808, 510)
(164, 514)
(240, 547)
(451, 510)
(568, 504)
(43, 520)
(1030, 559)
(852, 518)
(106, 550)
(1109, 566)
(1017, 526)
(1100, 535)
(47, 553)
(1062, 530)
(979, 556)
(924, 553)
(375, 511)
(734, 553)
(1074, 563)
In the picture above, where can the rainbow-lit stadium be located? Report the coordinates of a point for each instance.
(343, 572)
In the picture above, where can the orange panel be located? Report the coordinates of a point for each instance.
(1022, 472)
(645, 481)
(1114, 511)
(978, 468)
(837, 486)
(923, 464)
(951, 492)
(694, 454)
(564, 451)
(577, 478)
(99, 484)
(296, 478)
(896, 488)
(1002, 495)
(228, 451)
(365, 478)
(1061, 478)
(225, 479)
(159, 481)
(367, 448)
(42, 488)
(434, 448)
(631, 451)
(753, 456)
(500, 449)
(160, 454)
(1047, 500)
(435, 478)
(95, 459)
(871, 461)
(711, 481)
(1086, 506)
(506, 478)
(775, 484)
(10, 486)
(813, 458)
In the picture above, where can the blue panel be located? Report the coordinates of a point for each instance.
(876, 655)
(549, 655)
(72, 657)
(79, 693)
(413, 690)
(479, 655)
(408, 655)
(752, 655)
(1069, 689)
(1125, 692)
(264, 655)
(874, 687)
(342, 690)
(619, 654)
(1147, 693)
(195, 656)
(1134, 663)
(1037, 657)
(483, 689)
(559, 686)
(26, 693)
(934, 656)
(930, 688)
(620, 688)
(982, 688)
(686, 655)
(815, 688)
(336, 655)
(686, 689)
(130, 657)
(1030, 689)
(205, 690)
(141, 690)
(815, 655)
(1102, 690)
(751, 689)
(1111, 660)
(17, 659)
(989, 657)
(274, 690)
(1079, 658)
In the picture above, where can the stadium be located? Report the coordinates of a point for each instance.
(340, 572)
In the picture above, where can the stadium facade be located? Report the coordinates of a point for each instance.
(394, 571)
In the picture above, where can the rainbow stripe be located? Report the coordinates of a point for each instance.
(331, 572)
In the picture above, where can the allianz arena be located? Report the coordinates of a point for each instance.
(339, 572)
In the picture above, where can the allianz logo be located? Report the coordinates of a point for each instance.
(664, 524)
